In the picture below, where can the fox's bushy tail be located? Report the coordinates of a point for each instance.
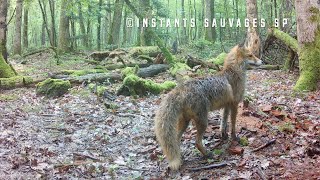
(165, 128)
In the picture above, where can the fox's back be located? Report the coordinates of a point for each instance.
(211, 92)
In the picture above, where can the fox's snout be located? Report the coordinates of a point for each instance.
(255, 61)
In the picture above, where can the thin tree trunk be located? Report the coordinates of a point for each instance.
(184, 29)
(99, 26)
(17, 37)
(84, 38)
(53, 24)
(25, 27)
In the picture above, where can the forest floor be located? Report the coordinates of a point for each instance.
(76, 136)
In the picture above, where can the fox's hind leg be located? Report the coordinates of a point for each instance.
(201, 125)
(224, 123)
(234, 111)
(183, 123)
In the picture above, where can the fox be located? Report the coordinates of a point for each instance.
(194, 99)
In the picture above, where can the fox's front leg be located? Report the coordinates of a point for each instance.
(224, 123)
(234, 112)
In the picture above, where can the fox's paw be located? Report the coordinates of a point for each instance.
(175, 164)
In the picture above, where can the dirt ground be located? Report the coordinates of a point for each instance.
(77, 137)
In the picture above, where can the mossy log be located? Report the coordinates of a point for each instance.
(99, 56)
(98, 77)
(53, 87)
(192, 62)
(120, 66)
(266, 67)
(15, 81)
(285, 38)
(152, 70)
(134, 85)
(151, 51)
(41, 50)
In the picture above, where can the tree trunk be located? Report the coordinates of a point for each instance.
(53, 24)
(210, 34)
(253, 40)
(17, 36)
(308, 19)
(99, 26)
(64, 35)
(183, 29)
(25, 27)
(3, 29)
(116, 23)
(82, 27)
(145, 37)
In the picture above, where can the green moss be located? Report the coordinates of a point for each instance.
(286, 38)
(140, 86)
(286, 127)
(11, 97)
(309, 67)
(53, 87)
(83, 72)
(7, 83)
(99, 90)
(129, 70)
(219, 60)
(244, 141)
(5, 69)
(178, 68)
(217, 151)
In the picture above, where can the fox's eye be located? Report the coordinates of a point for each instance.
(250, 55)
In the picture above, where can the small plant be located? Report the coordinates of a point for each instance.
(244, 141)
(160, 157)
(286, 127)
(217, 151)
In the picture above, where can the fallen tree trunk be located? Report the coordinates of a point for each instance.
(266, 67)
(99, 56)
(152, 70)
(15, 81)
(285, 38)
(97, 77)
(120, 66)
(192, 62)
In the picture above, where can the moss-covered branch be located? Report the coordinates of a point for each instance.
(285, 38)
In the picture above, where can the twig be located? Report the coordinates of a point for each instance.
(264, 145)
(136, 169)
(261, 173)
(11, 16)
(209, 166)
(86, 156)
